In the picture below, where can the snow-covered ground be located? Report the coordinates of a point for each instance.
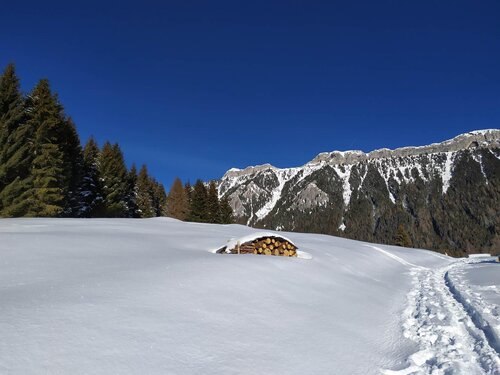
(147, 296)
(452, 331)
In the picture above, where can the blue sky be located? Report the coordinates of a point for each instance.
(193, 88)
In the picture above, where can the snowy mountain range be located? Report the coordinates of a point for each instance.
(445, 195)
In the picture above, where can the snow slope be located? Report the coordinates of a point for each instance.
(118, 296)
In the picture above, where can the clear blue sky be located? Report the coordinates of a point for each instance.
(193, 88)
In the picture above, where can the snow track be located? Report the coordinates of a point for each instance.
(485, 315)
(475, 315)
(395, 257)
(450, 332)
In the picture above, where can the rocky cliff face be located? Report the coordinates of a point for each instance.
(446, 196)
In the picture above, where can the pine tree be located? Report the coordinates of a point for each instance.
(198, 209)
(11, 117)
(113, 174)
(15, 150)
(43, 170)
(131, 198)
(11, 106)
(73, 167)
(213, 214)
(47, 194)
(177, 201)
(90, 189)
(16, 198)
(189, 193)
(225, 212)
(50, 183)
(159, 198)
(144, 193)
(402, 237)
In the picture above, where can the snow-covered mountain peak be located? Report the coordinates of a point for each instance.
(364, 195)
(339, 157)
(473, 139)
(479, 138)
(236, 172)
(484, 132)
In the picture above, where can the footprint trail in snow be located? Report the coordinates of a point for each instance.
(450, 333)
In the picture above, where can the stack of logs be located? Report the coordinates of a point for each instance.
(267, 246)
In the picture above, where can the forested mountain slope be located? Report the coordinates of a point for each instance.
(444, 196)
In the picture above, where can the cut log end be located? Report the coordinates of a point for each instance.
(266, 246)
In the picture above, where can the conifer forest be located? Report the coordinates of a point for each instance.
(45, 171)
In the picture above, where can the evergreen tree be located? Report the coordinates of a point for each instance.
(213, 214)
(90, 189)
(73, 167)
(199, 197)
(189, 192)
(11, 106)
(402, 237)
(47, 194)
(225, 212)
(177, 201)
(131, 199)
(113, 174)
(49, 182)
(43, 170)
(159, 198)
(15, 150)
(189, 195)
(145, 194)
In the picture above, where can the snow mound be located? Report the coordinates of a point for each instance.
(303, 255)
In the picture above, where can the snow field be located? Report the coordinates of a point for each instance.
(127, 296)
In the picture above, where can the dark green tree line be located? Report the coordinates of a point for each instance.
(45, 172)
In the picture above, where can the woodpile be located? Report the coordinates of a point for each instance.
(266, 246)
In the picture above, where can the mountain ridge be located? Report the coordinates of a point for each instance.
(491, 136)
(333, 183)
